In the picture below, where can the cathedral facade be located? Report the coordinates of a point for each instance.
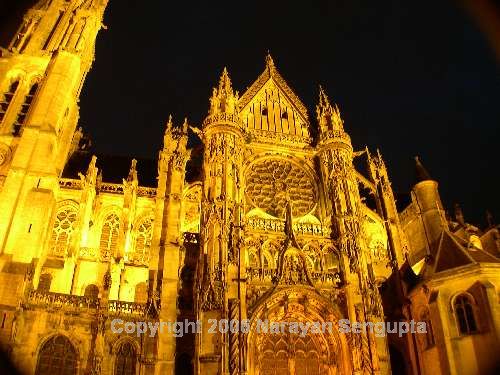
(275, 218)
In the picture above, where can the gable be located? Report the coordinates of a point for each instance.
(270, 106)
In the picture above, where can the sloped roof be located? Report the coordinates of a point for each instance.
(451, 251)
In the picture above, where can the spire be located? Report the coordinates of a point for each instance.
(328, 116)
(224, 99)
(421, 172)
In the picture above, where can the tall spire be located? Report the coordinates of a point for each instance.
(421, 172)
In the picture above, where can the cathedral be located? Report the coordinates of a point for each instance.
(275, 217)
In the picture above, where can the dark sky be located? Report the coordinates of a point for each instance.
(410, 77)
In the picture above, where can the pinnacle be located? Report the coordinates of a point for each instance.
(269, 61)
(225, 81)
(323, 98)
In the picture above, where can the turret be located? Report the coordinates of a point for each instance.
(428, 201)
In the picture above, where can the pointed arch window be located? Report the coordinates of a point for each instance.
(143, 239)
(92, 292)
(141, 293)
(23, 112)
(57, 356)
(109, 235)
(253, 261)
(126, 359)
(45, 282)
(464, 313)
(7, 99)
(62, 231)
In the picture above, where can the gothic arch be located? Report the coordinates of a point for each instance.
(287, 305)
(128, 360)
(142, 237)
(70, 354)
(64, 226)
(466, 313)
(110, 226)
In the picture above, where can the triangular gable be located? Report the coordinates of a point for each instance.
(451, 254)
(270, 105)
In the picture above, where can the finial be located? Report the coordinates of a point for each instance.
(185, 126)
(169, 123)
(132, 174)
(323, 98)
(225, 83)
(269, 61)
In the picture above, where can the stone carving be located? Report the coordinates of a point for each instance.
(5, 154)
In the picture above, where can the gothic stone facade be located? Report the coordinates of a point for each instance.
(268, 221)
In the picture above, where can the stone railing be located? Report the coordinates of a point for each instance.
(273, 225)
(266, 136)
(76, 184)
(70, 301)
(147, 192)
(223, 117)
(70, 183)
(335, 134)
(111, 188)
(327, 277)
(267, 274)
(127, 308)
(88, 252)
(94, 253)
(138, 259)
(264, 274)
(60, 300)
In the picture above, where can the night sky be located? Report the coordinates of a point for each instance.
(410, 77)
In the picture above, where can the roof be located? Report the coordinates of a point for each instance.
(450, 252)
(421, 173)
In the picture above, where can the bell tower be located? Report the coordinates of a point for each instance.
(41, 75)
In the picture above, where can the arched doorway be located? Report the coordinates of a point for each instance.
(57, 356)
(283, 354)
(289, 350)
